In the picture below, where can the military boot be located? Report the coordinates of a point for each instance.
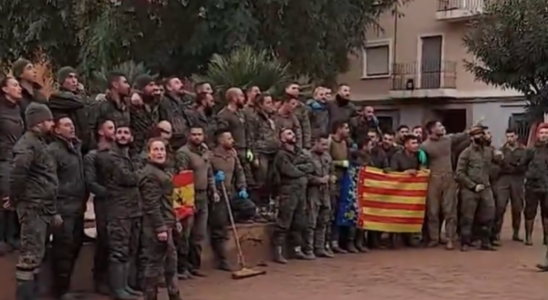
(127, 288)
(516, 224)
(328, 250)
(299, 254)
(279, 255)
(118, 281)
(308, 248)
(171, 285)
(486, 240)
(220, 251)
(351, 242)
(544, 265)
(360, 242)
(336, 248)
(529, 232)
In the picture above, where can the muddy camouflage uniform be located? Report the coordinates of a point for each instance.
(290, 122)
(107, 109)
(318, 204)
(510, 187)
(291, 169)
(95, 185)
(208, 123)
(156, 189)
(33, 189)
(71, 204)
(226, 162)
(123, 215)
(172, 109)
(473, 168)
(536, 188)
(198, 160)
(143, 119)
(12, 128)
(301, 112)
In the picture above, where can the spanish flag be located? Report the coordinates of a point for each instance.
(391, 202)
(183, 194)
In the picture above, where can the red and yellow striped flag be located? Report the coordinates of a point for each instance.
(183, 194)
(391, 202)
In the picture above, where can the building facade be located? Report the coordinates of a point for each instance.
(413, 71)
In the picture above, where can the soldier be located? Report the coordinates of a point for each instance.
(159, 223)
(441, 186)
(203, 116)
(145, 115)
(228, 172)
(342, 108)
(361, 124)
(339, 151)
(510, 184)
(285, 118)
(265, 144)
(388, 144)
(536, 176)
(65, 149)
(114, 107)
(203, 87)
(25, 72)
(318, 200)
(318, 113)
(172, 109)
(12, 128)
(232, 118)
(32, 190)
(301, 112)
(68, 101)
(251, 94)
(417, 131)
(123, 211)
(195, 156)
(407, 160)
(290, 168)
(95, 184)
(402, 131)
(472, 173)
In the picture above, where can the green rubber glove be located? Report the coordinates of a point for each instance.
(249, 155)
(423, 159)
(342, 163)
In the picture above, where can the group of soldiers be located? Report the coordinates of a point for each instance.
(124, 147)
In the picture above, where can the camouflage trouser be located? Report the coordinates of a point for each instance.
(441, 197)
(161, 259)
(261, 191)
(218, 228)
(123, 240)
(34, 233)
(482, 202)
(199, 230)
(100, 258)
(290, 220)
(318, 212)
(508, 188)
(66, 244)
(333, 230)
(182, 241)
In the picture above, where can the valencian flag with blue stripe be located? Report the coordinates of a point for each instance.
(348, 212)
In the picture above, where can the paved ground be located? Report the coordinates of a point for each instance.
(419, 274)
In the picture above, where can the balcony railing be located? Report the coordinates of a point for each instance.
(454, 10)
(426, 75)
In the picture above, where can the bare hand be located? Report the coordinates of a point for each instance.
(7, 205)
(162, 236)
(325, 179)
(216, 198)
(411, 172)
(333, 178)
(479, 188)
(57, 221)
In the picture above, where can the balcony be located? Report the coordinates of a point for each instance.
(428, 79)
(459, 10)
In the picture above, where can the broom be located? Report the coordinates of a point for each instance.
(243, 272)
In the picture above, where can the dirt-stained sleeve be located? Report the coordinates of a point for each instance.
(151, 193)
(122, 174)
(239, 175)
(21, 163)
(90, 172)
(298, 131)
(461, 172)
(286, 168)
(306, 128)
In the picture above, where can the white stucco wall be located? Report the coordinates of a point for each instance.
(496, 116)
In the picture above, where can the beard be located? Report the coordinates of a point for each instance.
(291, 142)
(208, 110)
(122, 143)
(341, 100)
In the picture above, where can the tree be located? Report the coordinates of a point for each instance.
(180, 36)
(510, 44)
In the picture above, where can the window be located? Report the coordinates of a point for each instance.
(385, 123)
(376, 60)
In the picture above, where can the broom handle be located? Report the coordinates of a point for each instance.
(233, 225)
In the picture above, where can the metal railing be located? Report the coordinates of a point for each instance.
(431, 74)
(470, 5)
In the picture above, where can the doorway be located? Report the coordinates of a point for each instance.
(431, 64)
(454, 120)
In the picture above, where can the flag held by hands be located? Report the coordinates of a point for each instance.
(391, 202)
(183, 194)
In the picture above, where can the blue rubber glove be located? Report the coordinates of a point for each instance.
(243, 194)
(315, 105)
(423, 159)
(219, 176)
(354, 147)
